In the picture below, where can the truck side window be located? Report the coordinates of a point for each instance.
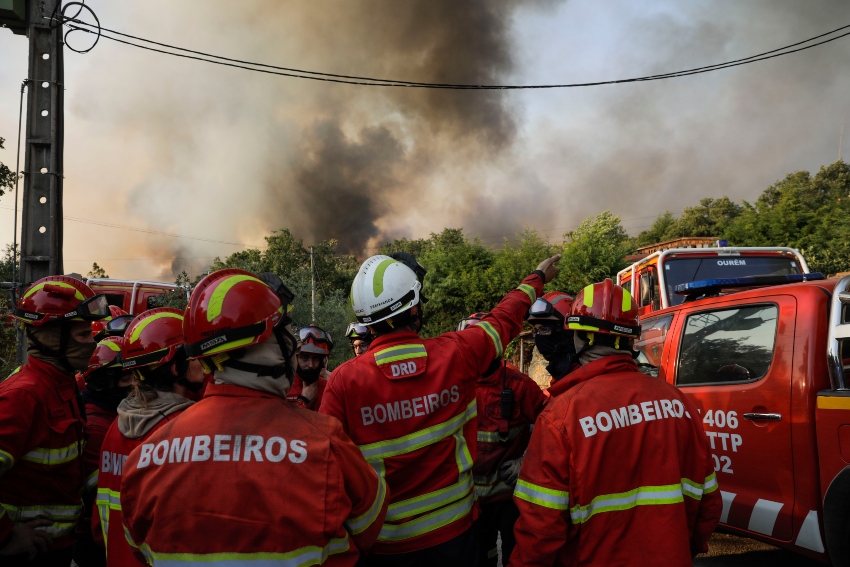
(154, 301)
(649, 289)
(650, 345)
(730, 345)
(116, 299)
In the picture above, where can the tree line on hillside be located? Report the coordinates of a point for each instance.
(805, 211)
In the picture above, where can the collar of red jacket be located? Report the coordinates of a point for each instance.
(45, 369)
(392, 339)
(605, 365)
(235, 391)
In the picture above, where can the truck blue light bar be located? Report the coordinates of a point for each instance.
(709, 287)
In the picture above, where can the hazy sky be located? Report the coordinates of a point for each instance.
(159, 143)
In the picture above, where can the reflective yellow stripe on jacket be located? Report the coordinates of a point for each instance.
(440, 507)
(362, 523)
(43, 456)
(105, 501)
(310, 555)
(64, 518)
(7, 461)
(640, 496)
(493, 436)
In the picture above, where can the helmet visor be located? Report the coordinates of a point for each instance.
(318, 334)
(542, 309)
(117, 326)
(468, 322)
(356, 331)
(91, 309)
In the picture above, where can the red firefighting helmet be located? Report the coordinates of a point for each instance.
(153, 337)
(473, 319)
(553, 307)
(230, 309)
(604, 308)
(98, 328)
(60, 298)
(107, 354)
(315, 340)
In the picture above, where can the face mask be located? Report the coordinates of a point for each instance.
(556, 345)
(79, 354)
(311, 375)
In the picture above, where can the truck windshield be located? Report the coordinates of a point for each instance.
(686, 270)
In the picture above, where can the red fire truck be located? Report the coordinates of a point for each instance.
(765, 360)
(133, 296)
(659, 268)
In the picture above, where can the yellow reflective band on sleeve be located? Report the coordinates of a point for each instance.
(400, 352)
(22, 514)
(103, 511)
(462, 454)
(310, 555)
(419, 439)
(216, 302)
(641, 496)
(362, 523)
(7, 461)
(91, 481)
(542, 496)
(15, 371)
(493, 436)
(696, 490)
(494, 335)
(110, 498)
(430, 501)
(43, 456)
(427, 523)
(77, 293)
(529, 291)
(132, 543)
(710, 484)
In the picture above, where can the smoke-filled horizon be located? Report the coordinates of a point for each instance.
(195, 149)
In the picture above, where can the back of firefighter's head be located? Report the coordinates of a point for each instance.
(154, 350)
(548, 315)
(237, 320)
(385, 295)
(605, 321)
(314, 348)
(57, 312)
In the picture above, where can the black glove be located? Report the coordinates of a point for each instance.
(509, 471)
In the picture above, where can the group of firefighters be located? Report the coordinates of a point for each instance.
(217, 436)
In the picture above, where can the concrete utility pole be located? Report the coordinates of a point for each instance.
(313, 284)
(41, 228)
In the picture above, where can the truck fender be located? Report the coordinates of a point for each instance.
(836, 519)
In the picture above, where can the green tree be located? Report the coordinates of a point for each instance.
(592, 252)
(8, 325)
(97, 272)
(665, 227)
(7, 176)
(712, 217)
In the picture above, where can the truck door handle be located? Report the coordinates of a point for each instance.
(763, 416)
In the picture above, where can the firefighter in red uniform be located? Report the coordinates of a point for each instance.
(41, 429)
(106, 384)
(243, 476)
(311, 375)
(410, 405)
(618, 470)
(359, 336)
(153, 350)
(508, 404)
(553, 340)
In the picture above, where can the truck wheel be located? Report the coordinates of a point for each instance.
(836, 519)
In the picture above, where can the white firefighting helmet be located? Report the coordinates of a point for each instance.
(383, 288)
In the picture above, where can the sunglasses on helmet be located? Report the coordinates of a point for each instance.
(466, 323)
(542, 309)
(356, 331)
(92, 309)
(117, 326)
(318, 334)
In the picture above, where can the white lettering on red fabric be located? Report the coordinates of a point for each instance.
(404, 368)
(177, 450)
(633, 414)
(112, 463)
(405, 409)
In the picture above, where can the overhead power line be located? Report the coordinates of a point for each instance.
(167, 49)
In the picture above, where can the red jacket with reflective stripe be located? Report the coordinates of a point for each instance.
(107, 519)
(98, 421)
(617, 472)
(245, 472)
(41, 443)
(528, 402)
(409, 404)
